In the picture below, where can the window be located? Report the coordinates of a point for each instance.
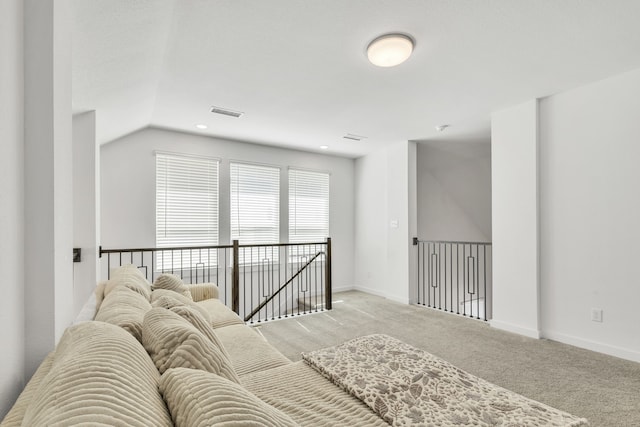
(308, 206)
(186, 207)
(255, 203)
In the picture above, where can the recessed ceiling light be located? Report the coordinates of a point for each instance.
(390, 50)
(324, 147)
(201, 126)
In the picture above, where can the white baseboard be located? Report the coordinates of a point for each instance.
(342, 289)
(516, 329)
(371, 292)
(611, 350)
(382, 294)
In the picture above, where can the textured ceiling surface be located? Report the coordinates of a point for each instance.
(298, 69)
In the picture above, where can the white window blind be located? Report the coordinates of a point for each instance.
(308, 206)
(255, 203)
(186, 207)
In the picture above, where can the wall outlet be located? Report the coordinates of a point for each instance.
(596, 314)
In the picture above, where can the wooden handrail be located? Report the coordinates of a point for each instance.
(193, 248)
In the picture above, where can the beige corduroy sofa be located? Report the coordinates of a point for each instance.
(173, 354)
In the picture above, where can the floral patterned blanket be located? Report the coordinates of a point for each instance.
(408, 386)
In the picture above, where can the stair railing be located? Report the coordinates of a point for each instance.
(284, 285)
(455, 276)
(245, 274)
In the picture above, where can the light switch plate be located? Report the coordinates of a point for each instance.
(596, 314)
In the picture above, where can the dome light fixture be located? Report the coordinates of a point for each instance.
(390, 50)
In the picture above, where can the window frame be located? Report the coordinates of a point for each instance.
(198, 175)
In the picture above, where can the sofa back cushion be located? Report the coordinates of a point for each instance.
(99, 375)
(172, 342)
(125, 308)
(198, 399)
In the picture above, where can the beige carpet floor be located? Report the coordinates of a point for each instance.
(601, 388)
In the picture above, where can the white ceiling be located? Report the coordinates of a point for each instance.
(298, 69)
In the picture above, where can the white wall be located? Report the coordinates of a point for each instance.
(412, 212)
(48, 182)
(454, 191)
(384, 222)
(590, 215)
(11, 200)
(514, 179)
(372, 225)
(128, 188)
(85, 225)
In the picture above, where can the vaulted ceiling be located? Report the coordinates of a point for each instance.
(298, 71)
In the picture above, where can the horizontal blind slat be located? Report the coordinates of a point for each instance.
(255, 203)
(308, 206)
(186, 206)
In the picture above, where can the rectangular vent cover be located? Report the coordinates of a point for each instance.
(226, 112)
(354, 137)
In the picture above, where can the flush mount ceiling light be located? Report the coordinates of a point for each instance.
(201, 126)
(324, 147)
(390, 50)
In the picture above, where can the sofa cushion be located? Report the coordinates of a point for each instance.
(131, 277)
(201, 399)
(220, 314)
(99, 292)
(16, 414)
(125, 308)
(172, 342)
(332, 406)
(203, 291)
(100, 375)
(249, 351)
(194, 317)
(172, 282)
(169, 299)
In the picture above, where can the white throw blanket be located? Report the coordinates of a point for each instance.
(408, 386)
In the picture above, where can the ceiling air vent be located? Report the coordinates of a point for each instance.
(354, 137)
(226, 112)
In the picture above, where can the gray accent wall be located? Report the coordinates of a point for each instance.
(454, 190)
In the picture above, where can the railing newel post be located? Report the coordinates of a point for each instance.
(327, 282)
(235, 279)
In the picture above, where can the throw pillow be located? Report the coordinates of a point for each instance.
(131, 277)
(125, 308)
(172, 342)
(197, 399)
(172, 282)
(100, 375)
(169, 299)
(193, 316)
